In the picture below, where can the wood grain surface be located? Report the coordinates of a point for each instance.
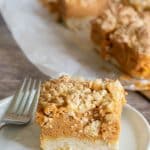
(14, 66)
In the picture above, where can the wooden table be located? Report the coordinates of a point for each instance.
(14, 66)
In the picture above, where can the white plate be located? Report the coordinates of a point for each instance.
(135, 133)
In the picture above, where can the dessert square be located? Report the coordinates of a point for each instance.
(76, 14)
(78, 114)
(81, 8)
(76, 8)
(122, 36)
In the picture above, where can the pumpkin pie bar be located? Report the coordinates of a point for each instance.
(76, 8)
(76, 13)
(122, 35)
(78, 114)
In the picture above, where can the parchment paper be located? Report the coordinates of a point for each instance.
(49, 45)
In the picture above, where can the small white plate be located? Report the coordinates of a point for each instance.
(135, 133)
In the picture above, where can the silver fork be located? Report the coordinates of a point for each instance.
(24, 103)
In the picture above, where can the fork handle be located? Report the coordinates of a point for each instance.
(2, 124)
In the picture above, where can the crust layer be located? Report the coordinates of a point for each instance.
(76, 144)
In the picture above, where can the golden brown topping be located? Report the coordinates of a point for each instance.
(140, 5)
(126, 26)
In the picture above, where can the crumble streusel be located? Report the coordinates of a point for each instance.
(140, 5)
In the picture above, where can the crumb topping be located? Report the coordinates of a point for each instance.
(140, 5)
(125, 25)
(81, 108)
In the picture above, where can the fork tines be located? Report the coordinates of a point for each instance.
(26, 98)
